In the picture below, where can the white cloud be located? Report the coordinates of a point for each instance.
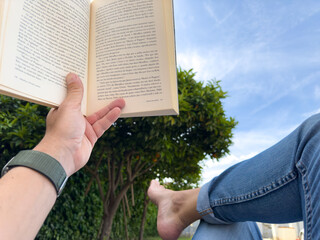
(209, 65)
(218, 16)
(309, 114)
(232, 65)
(248, 142)
(246, 145)
(293, 86)
(188, 60)
(213, 168)
(210, 11)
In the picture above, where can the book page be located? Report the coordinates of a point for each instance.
(129, 57)
(3, 20)
(170, 34)
(44, 41)
(2, 17)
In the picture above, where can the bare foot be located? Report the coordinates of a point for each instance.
(176, 209)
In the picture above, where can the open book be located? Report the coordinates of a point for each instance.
(119, 48)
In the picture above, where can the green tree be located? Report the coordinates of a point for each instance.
(167, 146)
(22, 125)
(74, 216)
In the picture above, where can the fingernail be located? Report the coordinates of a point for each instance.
(71, 77)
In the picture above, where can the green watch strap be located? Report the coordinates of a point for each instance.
(42, 163)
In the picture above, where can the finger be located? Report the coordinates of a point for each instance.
(51, 112)
(105, 122)
(91, 135)
(120, 103)
(51, 115)
(74, 90)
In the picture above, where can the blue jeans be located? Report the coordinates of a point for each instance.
(279, 185)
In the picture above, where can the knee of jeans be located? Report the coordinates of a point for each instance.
(308, 132)
(308, 142)
(311, 122)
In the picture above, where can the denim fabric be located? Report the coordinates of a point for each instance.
(235, 231)
(279, 185)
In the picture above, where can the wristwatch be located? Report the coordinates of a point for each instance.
(42, 163)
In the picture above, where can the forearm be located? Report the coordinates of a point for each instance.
(26, 199)
(27, 196)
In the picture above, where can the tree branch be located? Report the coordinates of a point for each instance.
(125, 219)
(127, 204)
(146, 170)
(118, 174)
(93, 174)
(129, 170)
(112, 171)
(89, 186)
(132, 195)
(137, 165)
(107, 196)
(100, 187)
(138, 168)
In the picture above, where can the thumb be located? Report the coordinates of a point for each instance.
(74, 89)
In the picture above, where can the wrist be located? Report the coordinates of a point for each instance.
(61, 154)
(41, 163)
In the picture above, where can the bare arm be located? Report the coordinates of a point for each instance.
(26, 196)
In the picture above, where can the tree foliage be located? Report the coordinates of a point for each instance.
(22, 125)
(74, 216)
(163, 147)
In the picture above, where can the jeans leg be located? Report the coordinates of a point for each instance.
(278, 185)
(235, 231)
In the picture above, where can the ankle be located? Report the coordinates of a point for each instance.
(184, 204)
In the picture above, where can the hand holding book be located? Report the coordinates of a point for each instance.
(70, 136)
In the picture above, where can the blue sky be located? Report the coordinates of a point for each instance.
(267, 56)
